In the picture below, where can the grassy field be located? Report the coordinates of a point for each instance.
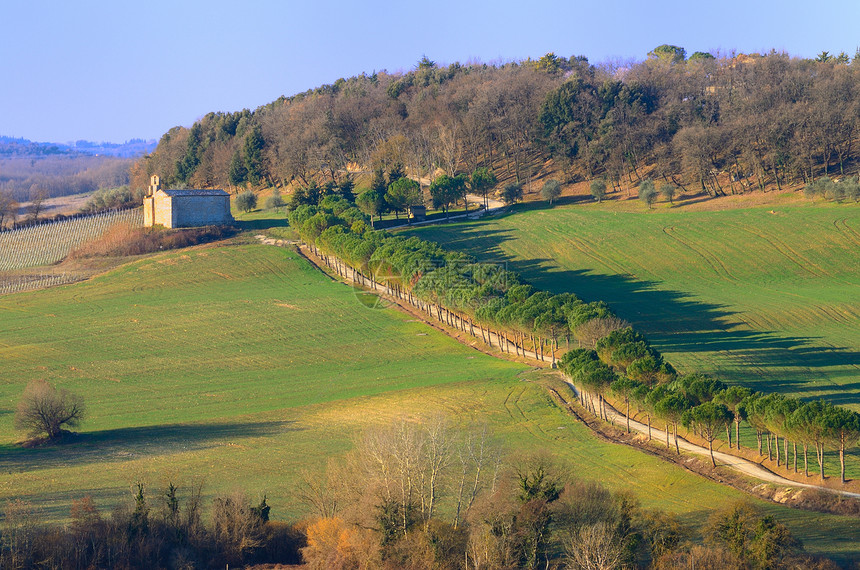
(766, 296)
(243, 365)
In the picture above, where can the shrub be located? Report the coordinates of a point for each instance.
(512, 193)
(551, 190)
(246, 201)
(274, 201)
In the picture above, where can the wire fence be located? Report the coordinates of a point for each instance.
(49, 243)
(17, 284)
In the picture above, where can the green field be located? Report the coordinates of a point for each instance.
(243, 365)
(764, 296)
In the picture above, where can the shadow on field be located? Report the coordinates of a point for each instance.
(125, 444)
(254, 225)
(675, 322)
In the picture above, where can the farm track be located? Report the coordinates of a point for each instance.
(713, 261)
(787, 252)
(735, 463)
(589, 251)
(846, 230)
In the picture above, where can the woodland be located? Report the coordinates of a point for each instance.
(718, 125)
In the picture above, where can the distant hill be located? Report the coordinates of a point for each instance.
(10, 146)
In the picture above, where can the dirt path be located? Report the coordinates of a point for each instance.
(493, 207)
(500, 346)
(734, 462)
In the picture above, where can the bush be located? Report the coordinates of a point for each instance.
(512, 193)
(598, 189)
(647, 192)
(551, 190)
(274, 201)
(246, 201)
(123, 240)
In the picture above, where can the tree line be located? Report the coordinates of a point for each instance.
(610, 356)
(713, 124)
(624, 364)
(412, 494)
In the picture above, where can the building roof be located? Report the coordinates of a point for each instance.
(195, 192)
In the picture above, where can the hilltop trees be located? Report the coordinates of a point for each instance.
(43, 410)
(482, 181)
(723, 125)
(446, 190)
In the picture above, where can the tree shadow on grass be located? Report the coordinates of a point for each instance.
(676, 322)
(124, 444)
(255, 225)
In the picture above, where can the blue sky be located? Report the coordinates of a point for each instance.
(112, 71)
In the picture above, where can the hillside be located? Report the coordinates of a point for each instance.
(706, 125)
(227, 361)
(764, 296)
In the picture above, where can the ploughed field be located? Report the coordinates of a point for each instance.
(766, 296)
(242, 365)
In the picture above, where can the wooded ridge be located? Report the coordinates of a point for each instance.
(718, 125)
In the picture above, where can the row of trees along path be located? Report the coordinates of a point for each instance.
(500, 340)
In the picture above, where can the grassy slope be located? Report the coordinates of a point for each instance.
(228, 363)
(764, 296)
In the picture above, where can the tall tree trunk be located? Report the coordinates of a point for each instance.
(842, 457)
(628, 415)
(711, 449)
(819, 453)
(729, 434)
(776, 445)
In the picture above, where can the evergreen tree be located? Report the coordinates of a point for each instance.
(253, 151)
(237, 172)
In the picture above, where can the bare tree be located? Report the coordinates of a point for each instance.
(595, 547)
(589, 332)
(238, 529)
(44, 409)
(8, 209)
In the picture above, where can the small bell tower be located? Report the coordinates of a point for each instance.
(154, 185)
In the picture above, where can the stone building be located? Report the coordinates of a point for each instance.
(185, 208)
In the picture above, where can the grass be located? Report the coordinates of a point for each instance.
(766, 297)
(244, 365)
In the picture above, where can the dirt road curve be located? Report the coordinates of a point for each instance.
(737, 463)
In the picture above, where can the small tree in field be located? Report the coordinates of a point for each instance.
(246, 201)
(551, 190)
(44, 410)
(647, 192)
(598, 189)
(668, 191)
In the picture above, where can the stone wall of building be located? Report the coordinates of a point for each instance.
(201, 211)
(163, 210)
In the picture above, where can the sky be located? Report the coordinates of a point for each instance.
(112, 71)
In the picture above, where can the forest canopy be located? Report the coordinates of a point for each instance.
(714, 124)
